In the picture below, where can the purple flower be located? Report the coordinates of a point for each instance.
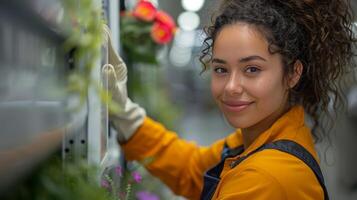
(137, 177)
(144, 195)
(105, 184)
(118, 170)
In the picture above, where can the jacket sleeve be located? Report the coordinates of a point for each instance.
(250, 183)
(178, 163)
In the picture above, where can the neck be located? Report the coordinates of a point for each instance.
(250, 134)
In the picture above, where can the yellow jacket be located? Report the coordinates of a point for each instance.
(269, 174)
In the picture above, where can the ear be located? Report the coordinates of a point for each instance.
(296, 75)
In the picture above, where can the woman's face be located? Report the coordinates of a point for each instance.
(246, 80)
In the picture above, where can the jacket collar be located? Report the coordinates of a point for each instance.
(284, 128)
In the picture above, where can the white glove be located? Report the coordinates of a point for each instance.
(131, 115)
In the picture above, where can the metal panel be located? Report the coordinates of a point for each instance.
(32, 84)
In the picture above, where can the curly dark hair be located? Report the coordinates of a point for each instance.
(318, 33)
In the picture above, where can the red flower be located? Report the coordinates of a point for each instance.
(164, 28)
(164, 18)
(161, 33)
(145, 10)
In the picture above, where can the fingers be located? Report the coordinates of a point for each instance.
(108, 69)
(120, 71)
(114, 74)
(114, 58)
(116, 69)
(109, 76)
(107, 33)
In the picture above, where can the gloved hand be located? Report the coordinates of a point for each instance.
(131, 115)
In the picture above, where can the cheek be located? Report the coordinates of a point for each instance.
(217, 87)
(268, 91)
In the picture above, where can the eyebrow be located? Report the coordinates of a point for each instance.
(241, 60)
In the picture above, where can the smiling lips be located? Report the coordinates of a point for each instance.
(236, 106)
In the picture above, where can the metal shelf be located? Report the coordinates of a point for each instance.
(33, 116)
(33, 68)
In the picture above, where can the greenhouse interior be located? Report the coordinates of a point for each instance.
(97, 95)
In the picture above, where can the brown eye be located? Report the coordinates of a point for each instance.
(252, 69)
(219, 70)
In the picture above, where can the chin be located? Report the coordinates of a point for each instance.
(237, 123)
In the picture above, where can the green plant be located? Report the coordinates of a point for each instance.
(131, 182)
(144, 30)
(55, 181)
(85, 38)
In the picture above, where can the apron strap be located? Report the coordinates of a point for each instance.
(211, 177)
(296, 150)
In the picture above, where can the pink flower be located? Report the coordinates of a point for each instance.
(137, 177)
(105, 184)
(145, 10)
(144, 195)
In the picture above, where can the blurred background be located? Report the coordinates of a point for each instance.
(41, 118)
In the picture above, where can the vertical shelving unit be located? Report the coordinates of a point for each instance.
(33, 67)
(35, 122)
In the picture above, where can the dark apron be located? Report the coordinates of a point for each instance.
(212, 176)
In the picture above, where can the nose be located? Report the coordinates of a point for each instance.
(234, 85)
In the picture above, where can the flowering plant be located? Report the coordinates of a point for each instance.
(128, 186)
(144, 30)
(56, 180)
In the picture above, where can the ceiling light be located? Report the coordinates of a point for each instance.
(192, 5)
(188, 21)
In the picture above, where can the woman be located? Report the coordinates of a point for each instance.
(270, 61)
